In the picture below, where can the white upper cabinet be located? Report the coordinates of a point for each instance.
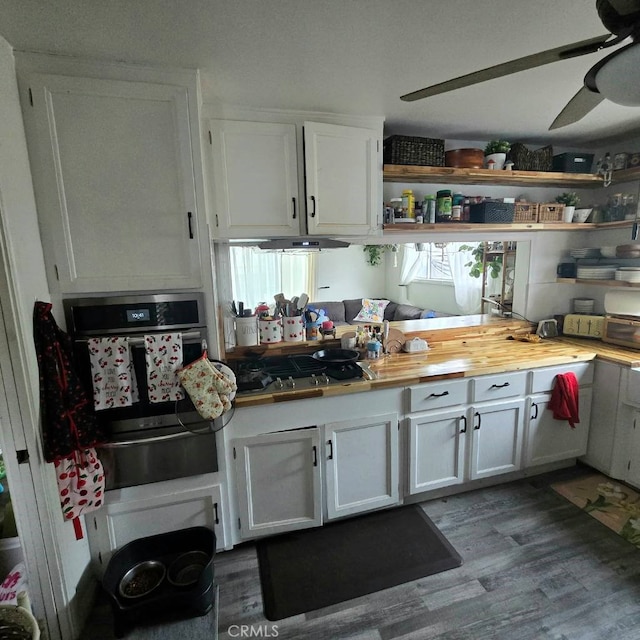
(113, 170)
(255, 179)
(279, 180)
(342, 179)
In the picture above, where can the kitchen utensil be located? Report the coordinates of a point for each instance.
(303, 301)
(240, 308)
(336, 356)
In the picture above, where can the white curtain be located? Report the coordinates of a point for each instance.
(256, 275)
(468, 290)
(411, 263)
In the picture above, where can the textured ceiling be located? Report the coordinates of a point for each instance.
(348, 56)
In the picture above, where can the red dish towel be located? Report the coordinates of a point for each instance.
(564, 399)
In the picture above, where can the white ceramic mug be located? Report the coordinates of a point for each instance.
(348, 342)
(270, 331)
(293, 329)
(247, 331)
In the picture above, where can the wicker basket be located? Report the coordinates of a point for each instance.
(526, 160)
(551, 212)
(414, 150)
(526, 212)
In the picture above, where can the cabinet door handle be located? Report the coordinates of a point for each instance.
(477, 427)
(215, 513)
(464, 420)
(313, 211)
(189, 223)
(294, 207)
(500, 386)
(330, 456)
(438, 395)
(315, 455)
(534, 406)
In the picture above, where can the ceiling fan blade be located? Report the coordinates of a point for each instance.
(514, 66)
(577, 108)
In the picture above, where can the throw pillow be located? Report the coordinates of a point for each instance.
(372, 310)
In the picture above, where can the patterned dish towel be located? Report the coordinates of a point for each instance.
(114, 380)
(163, 355)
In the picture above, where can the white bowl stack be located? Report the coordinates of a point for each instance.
(583, 305)
(597, 272)
(628, 274)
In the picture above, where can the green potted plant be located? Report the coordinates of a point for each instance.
(375, 251)
(570, 200)
(495, 153)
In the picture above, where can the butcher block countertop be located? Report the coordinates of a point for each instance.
(460, 351)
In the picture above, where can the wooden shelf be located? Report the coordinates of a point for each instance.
(442, 227)
(452, 175)
(625, 175)
(605, 283)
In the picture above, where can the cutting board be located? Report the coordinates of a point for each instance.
(394, 342)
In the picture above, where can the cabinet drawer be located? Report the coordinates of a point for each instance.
(435, 395)
(543, 379)
(502, 385)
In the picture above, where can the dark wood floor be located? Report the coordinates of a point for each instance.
(535, 567)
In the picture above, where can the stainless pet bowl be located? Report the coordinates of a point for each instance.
(142, 579)
(185, 570)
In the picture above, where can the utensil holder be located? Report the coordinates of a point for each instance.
(270, 331)
(293, 329)
(247, 331)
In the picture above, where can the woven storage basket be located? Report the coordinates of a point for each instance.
(526, 212)
(526, 160)
(414, 150)
(551, 212)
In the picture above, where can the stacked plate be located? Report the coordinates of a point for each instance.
(628, 251)
(597, 272)
(628, 274)
(589, 252)
(583, 305)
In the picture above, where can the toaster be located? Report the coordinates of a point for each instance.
(586, 326)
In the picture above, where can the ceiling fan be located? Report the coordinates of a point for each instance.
(616, 77)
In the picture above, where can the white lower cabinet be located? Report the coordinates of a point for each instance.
(279, 482)
(437, 445)
(550, 440)
(361, 464)
(496, 438)
(149, 510)
(633, 465)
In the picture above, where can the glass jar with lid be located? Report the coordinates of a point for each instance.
(444, 203)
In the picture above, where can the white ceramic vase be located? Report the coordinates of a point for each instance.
(498, 160)
(567, 215)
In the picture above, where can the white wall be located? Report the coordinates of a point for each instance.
(25, 265)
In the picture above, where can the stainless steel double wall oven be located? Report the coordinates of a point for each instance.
(148, 443)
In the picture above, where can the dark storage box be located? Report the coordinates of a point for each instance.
(492, 212)
(573, 162)
(428, 152)
(525, 159)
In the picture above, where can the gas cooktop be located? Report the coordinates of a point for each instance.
(287, 373)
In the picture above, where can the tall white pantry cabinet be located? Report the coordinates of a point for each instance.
(116, 163)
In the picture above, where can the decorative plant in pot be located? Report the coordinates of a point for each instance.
(570, 200)
(375, 252)
(495, 153)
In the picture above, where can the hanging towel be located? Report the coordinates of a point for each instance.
(163, 354)
(114, 380)
(564, 399)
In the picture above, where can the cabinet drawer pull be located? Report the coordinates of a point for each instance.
(464, 419)
(500, 386)
(477, 427)
(438, 395)
(190, 227)
(330, 456)
(294, 207)
(315, 455)
(313, 211)
(534, 406)
(215, 513)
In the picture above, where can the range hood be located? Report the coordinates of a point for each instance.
(304, 242)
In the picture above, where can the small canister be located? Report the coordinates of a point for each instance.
(444, 204)
(408, 203)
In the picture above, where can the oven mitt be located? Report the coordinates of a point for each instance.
(198, 380)
(226, 403)
(223, 383)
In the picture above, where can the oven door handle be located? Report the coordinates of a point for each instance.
(170, 436)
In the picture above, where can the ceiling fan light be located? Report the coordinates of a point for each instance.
(619, 79)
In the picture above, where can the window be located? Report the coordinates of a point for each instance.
(434, 262)
(257, 275)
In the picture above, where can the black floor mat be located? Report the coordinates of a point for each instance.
(315, 568)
